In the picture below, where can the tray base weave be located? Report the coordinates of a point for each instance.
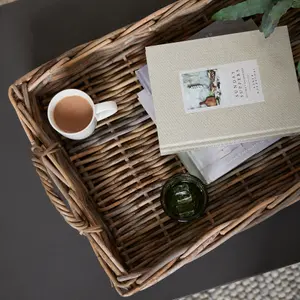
(108, 186)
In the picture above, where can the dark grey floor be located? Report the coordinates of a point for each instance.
(41, 258)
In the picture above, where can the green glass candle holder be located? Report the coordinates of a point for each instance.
(184, 197)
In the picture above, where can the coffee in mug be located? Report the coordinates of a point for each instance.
(73, 114)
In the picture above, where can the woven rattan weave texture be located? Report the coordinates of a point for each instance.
(108, 186)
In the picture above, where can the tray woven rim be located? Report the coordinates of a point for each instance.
(51, 160)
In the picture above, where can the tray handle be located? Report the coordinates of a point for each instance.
(60, 180)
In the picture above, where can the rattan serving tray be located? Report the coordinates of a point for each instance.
(108, 186)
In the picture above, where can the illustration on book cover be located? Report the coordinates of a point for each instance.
(221, 86)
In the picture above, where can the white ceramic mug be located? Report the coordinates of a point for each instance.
(100, 112)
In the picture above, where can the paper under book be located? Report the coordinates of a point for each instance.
(219, 90)
(209, 163)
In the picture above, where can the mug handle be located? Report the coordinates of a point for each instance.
(105, 110)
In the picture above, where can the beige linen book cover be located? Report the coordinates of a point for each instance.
(222, 89)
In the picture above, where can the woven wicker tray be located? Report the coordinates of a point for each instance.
(108, 186)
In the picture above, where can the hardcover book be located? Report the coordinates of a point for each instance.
(219, 90)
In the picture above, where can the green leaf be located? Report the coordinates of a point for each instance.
(296, 4)
(273, 14)
(243, 9)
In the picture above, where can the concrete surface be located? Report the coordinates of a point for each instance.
(41, 257)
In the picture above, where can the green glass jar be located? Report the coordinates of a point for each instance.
(184, 198)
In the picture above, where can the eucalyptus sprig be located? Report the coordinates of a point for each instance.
(272, 11)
